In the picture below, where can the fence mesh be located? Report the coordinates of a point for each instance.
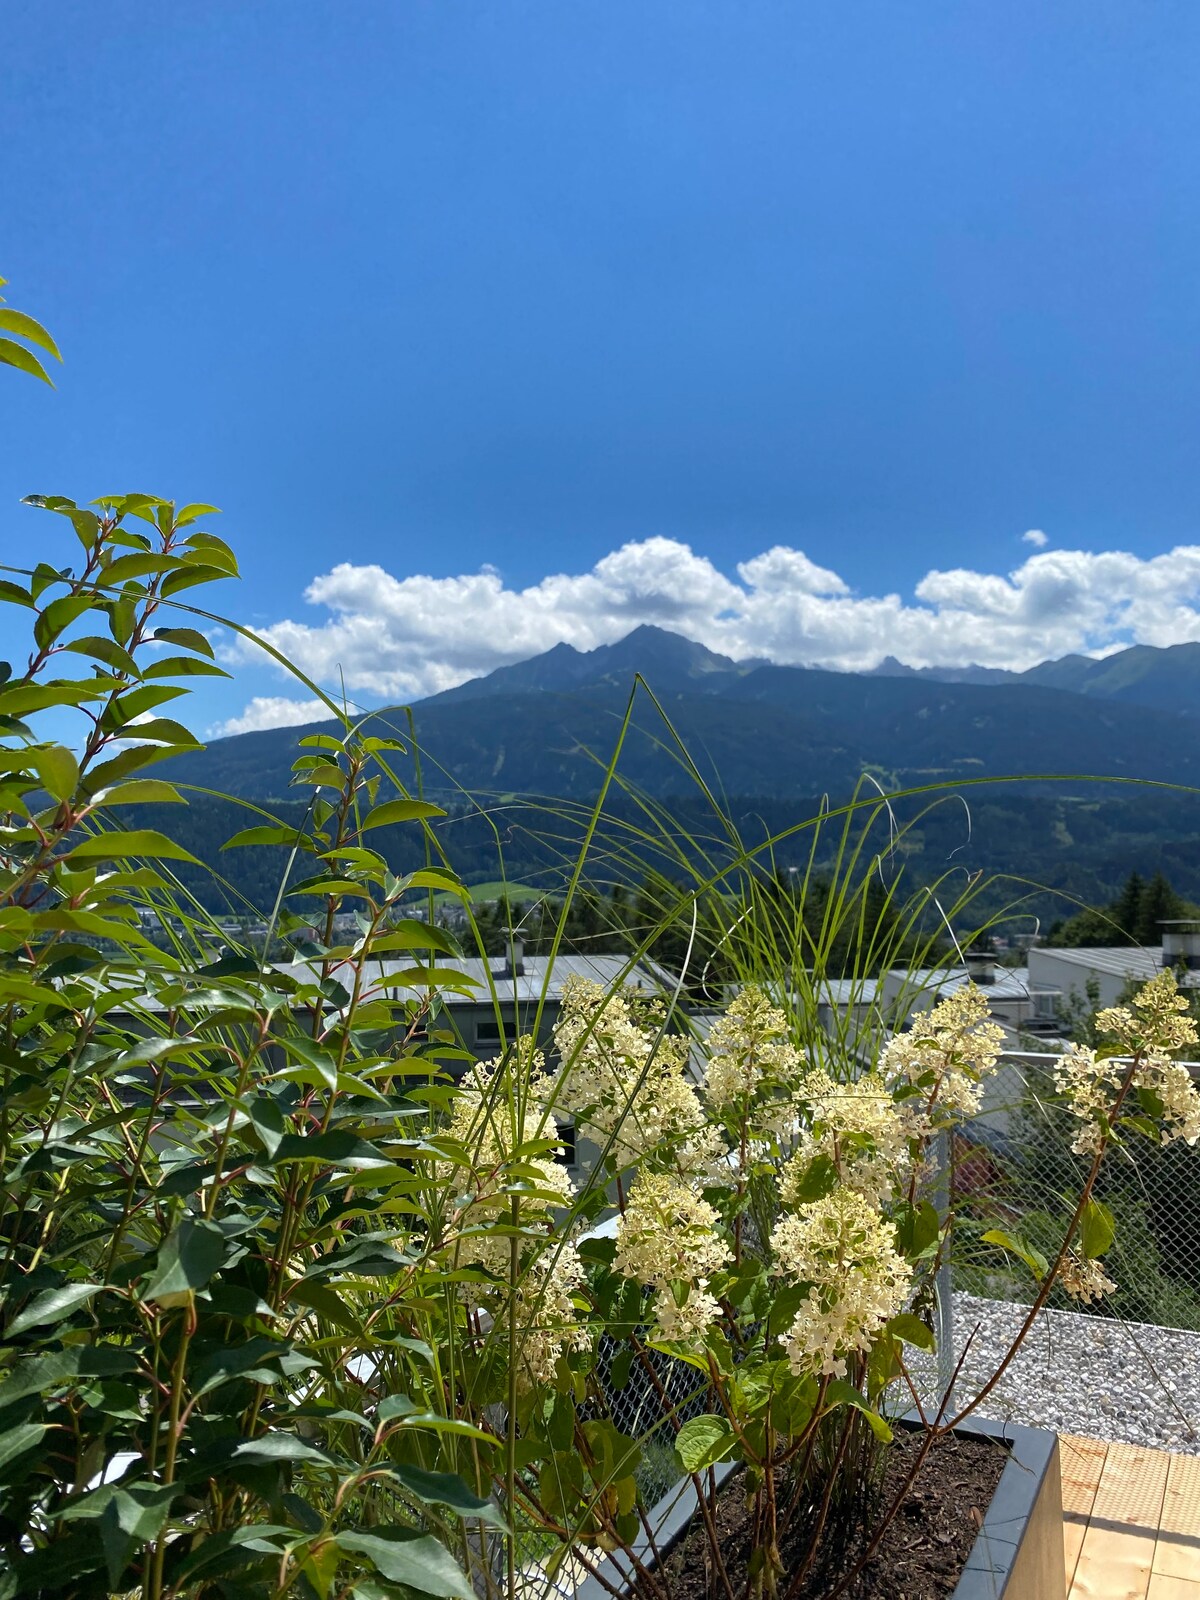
(1126, 1366)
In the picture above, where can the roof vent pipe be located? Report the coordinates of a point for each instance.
(981, 967)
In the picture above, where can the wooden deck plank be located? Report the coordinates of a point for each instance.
(1163, 1587)
(1117, 1554)
(1082, 1463)
(1177, 1552)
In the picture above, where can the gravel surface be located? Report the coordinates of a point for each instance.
(1081, 1374)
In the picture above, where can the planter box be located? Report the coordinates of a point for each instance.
(1017, 1555)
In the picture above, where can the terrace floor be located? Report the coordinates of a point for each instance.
(1131, 1521)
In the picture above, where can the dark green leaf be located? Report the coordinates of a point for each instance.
(53, 1306)
(446, 1489)
(16, 1441)
(416, 1560)
(187, 1259)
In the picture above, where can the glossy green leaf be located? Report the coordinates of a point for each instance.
(188, 514)
(183, 667)
(59, 614)
(189, 577)
(187, 1260)
(446, 1489)
(136, 842)
(125, 569)
(704, 1441)
(1097, 1229)
(392, 811)
(16, 1441)
(26, 327)
(57, 768)
(186, 639)
(53, 1306)
(140, 792)
(280, 1447)
(269, 834)
(912, 1330)
(841, 1393)
(414, 1559)
(106, 650)
(1029, 1254)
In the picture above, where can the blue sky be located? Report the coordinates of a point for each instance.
(778, 323)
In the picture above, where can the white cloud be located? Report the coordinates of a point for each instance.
(1036, 537)
(271, 711)
(391, 638)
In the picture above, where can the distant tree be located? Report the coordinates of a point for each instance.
(1134, 917)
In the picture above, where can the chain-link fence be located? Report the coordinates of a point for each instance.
(1125, 1366)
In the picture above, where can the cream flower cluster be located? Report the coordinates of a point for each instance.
(1090, 1082)
(845, 1251)
(861, 1129)
(1084, 1279)
(667, 1241)
(628, 1086)
(1158, 1020)
(547, 1320)
(947, 1053)
(498, 1110)
(752, 1059)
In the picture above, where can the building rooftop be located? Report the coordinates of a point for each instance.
(540, 978)
(1010, 983)
(1120, 961)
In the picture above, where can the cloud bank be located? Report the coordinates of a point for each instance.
(271, 711)
(400, 639)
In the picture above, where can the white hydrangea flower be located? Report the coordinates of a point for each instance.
(626, 1085)
(1173, 1085)
(750, 1055)
(687, 1323)
(667, 1239)
(844, 1249)
(1153, 1026)
(546, 1316)
(947, 1053)
(1089, 1083)
(1158, 1020)
(861, 1129)
(667, 1233)
(1084, 1280)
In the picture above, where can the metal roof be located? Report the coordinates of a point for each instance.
(540, 977)
(1118, 961)
(1010, 983)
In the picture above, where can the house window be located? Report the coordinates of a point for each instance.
(488, 1031)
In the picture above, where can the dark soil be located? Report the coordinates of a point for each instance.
(922, 1552)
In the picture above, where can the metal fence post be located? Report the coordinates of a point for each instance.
(943, 1282)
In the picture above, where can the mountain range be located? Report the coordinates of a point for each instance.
(542, 725)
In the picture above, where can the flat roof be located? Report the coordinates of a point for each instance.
(1117, 961)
